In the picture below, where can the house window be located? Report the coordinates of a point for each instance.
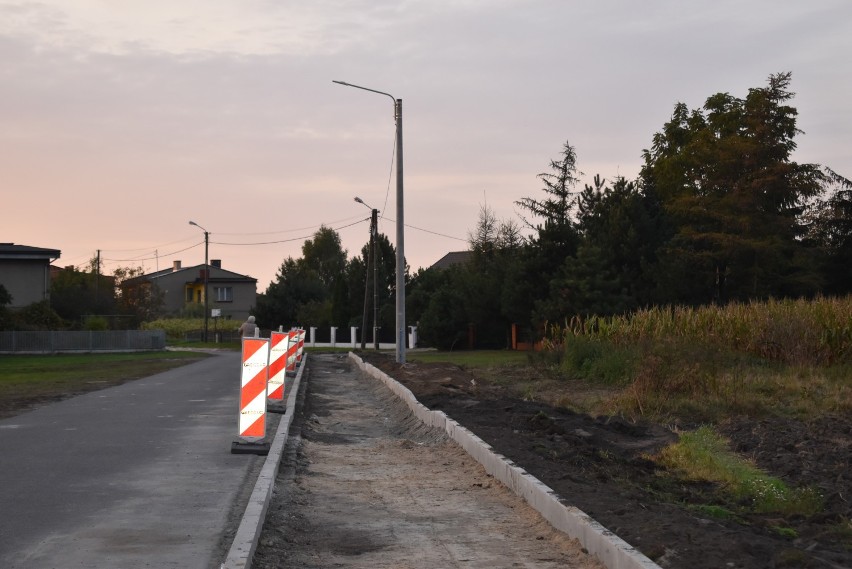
(189, 294)
(224, 294)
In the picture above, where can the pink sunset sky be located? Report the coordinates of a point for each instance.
(121, 122)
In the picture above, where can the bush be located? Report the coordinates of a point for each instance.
(96, 323)
(599, 361)
(37, 316)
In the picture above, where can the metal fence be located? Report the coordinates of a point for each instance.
(86, 341)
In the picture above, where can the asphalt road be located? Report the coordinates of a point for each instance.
(139, 475)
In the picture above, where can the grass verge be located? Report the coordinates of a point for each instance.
(29, 380)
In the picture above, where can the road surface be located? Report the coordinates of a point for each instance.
(139, 475)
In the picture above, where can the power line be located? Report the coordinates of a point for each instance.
(428, 231)
(154, 257)
(294, 229)
(291, 239)
(390, 173)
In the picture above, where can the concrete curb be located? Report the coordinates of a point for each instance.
(245, 541)
(613, 551)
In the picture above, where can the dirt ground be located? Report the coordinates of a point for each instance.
(597, 464)
(364, 484)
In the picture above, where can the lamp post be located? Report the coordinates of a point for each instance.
(400, 234)
(372, 258)
(206, 275)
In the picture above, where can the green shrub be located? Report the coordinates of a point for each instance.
(96, 323)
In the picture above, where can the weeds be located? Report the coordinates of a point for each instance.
(704, 455)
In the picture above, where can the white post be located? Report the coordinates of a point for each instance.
(334, 336)
(353, 334)
(313, 336)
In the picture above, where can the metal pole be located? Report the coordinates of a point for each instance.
(400, 249)
(374, 227)
(206, 281)
(206, 275)
(366, 293)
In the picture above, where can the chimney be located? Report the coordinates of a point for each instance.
(216, 263)
(175, 266)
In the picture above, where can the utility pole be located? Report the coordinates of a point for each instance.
(374, 227)
(206, 276)
(400, 224)
(366, 289)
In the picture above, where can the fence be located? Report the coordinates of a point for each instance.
(86, 341)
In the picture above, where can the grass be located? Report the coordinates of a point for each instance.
(672, 378)
(27, 379)
(704, 455)
(472, 358)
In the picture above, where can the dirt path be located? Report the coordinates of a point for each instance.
(369, 486)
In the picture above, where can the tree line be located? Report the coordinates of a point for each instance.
(718, 213)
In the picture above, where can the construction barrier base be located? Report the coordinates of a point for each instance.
(241, 447)
(276, 408)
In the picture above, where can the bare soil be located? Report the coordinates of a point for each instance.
(364, 484)
(600, 465)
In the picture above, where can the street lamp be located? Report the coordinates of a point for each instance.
(371, 258)
(400, 249)
(206, 274)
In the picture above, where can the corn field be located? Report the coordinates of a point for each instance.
(796, 332)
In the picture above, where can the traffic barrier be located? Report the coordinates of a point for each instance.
(292, 350)
(277, 363)
(301, 346)
(253, 387)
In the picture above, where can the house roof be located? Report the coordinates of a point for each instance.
(193, 274)
(13, 251)
(452, 258)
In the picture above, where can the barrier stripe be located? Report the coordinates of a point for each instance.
(301, 347)
(292, 347)
(277, 365)
(253, 381)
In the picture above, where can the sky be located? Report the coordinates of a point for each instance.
(120, 122)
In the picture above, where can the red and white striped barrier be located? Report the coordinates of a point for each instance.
(254, 377)
(301, 346)
(277, 364)
(292, 349)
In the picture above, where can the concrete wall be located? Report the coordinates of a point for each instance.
(26, 280)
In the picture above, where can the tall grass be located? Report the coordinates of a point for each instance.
(790, 356)
(814, 332)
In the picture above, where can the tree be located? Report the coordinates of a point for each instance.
(141, 303)
(77, 292)
(557, 236)
(623, 223)
(293, 287)
(830, 230)
(734, 197)
(311, 289)
(325, 256)
(5, 300)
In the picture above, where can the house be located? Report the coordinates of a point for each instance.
(453, 258)
(182, 288)
(25, 272)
